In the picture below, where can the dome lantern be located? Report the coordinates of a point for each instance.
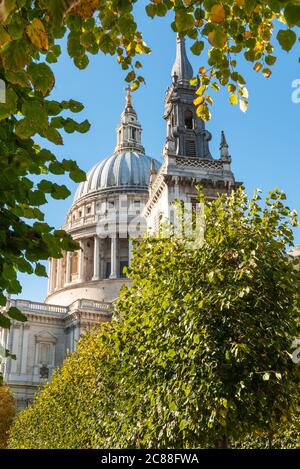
(129, 131)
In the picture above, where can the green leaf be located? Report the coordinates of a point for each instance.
(286, 38)
(53, 136)
(15, 55)
(60, 192)
(15, 313)
(270, 59)
(292, 13)
(74, 106)
(83, 127)
(10, 106)
(183, 20)
(217, 37)
(197, 47)
(81, 62)
(41, 77)
(130, 76)
(40, 270)
(4, 321)
(78, 175)
(196, 339)
(151, 10)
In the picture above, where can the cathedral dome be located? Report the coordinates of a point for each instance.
(124, 170)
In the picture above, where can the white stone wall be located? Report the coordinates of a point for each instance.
(105, 290)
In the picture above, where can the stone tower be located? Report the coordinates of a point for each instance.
(187, 158)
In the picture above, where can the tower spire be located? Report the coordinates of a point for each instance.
(182, 70)
(129, 131)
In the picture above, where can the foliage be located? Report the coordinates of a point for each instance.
(201, 349)
(286, 437)
(227, 29)
(7, 412)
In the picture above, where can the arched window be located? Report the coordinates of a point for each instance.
(188, 119)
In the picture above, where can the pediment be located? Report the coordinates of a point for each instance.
(45, 336)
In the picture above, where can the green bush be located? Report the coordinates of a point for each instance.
(200, 353)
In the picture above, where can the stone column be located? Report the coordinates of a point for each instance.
(129, 250)
(25, 349)
(81, 262)
(15, 346)
(53, 276)
(57, 281)
(68, 268)
(102, 258)
(96, 274)
(113, 259)
(50, 269)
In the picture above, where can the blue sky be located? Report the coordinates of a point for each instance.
(264, 142)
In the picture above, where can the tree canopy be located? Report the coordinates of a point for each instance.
(200, 350)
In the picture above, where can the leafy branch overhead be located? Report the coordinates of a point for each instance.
(228, 30)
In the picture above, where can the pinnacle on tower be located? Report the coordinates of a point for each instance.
(182, 70)
(224, 153)
(153, 174)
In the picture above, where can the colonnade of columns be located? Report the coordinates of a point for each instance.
(60, 270)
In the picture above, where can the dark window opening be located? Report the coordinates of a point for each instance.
(188, 120)
(108, 270)
(133, 133)
(190, 148)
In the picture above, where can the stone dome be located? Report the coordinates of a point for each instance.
(125, 170)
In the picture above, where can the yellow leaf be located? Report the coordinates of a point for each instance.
(202, 70)
(257, 66)
(135, 85)
(198, 100)
(37, 34)
(217, 14)
(267, 72)
(201, 90)
(233, 99)
(240, 3)
(209, 100)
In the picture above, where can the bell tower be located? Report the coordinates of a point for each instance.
(185, 130)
